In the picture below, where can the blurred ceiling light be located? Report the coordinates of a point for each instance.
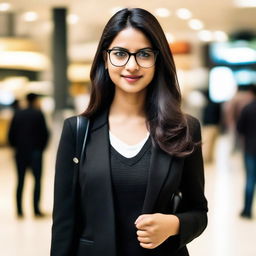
(184, 13)
(18, 44)
(6, 97)
(162, 12)
(47, 26)
(23, 60)
(72, 19)
(220, 36)
(170, 37)
(245, 3)
(79, 72)
(196, 98)
(40, 87)
(115, 9)
(195, 24)
(205, 35)
(30, 16)
(5, 7)
(20, 53)
(14, 84)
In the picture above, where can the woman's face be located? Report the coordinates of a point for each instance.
(130, 78)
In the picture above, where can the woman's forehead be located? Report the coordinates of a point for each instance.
(131, 39)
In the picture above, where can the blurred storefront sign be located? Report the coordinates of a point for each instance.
(180, 47)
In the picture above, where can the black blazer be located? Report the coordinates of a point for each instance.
(87, 228)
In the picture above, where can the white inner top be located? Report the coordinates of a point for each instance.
(124, 149)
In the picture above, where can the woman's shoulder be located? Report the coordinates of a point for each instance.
(191, 121)
(70, 121)
(194, 127)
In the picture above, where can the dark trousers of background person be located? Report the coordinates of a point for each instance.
(25, 160)
(250, 166)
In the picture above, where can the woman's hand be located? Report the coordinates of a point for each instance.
(154, 229)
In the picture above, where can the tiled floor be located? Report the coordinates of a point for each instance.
(226, 235)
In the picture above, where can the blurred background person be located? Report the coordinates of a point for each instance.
(28, 135)
(211, 116)
(247, 128)
(15, 105)
(232, 110)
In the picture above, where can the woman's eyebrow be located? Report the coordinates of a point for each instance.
(126, 50)
(120, 48)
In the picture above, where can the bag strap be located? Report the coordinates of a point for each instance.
(82, 128)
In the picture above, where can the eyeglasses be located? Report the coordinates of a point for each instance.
(145, 58)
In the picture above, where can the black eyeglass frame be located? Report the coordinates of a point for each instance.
(156, 52)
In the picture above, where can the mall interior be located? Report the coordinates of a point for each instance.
(47, 48)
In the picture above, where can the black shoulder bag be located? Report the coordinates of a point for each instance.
(175, 201)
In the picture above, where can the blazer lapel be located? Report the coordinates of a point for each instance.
(158, 171)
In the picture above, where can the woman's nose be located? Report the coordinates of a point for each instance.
(132, 64)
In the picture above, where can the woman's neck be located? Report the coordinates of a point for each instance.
(127, 118)
(128, 104)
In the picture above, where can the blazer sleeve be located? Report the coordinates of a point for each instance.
(63, 227)
(192, 212)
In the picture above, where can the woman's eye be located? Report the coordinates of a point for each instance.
(120, 53)
(144, 54)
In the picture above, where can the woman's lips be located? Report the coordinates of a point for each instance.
(131, 79)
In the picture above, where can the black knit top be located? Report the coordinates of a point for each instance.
(129, 179)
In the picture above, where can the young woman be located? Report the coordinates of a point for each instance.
(140, 150)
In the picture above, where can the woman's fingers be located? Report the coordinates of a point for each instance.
(145, 240)
(147, 245)
(142, 233)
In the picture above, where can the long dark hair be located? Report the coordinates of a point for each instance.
(166, 122)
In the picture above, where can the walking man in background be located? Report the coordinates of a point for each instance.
(28, 135)
(246, 126)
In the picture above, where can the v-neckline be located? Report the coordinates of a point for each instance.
(132, 160)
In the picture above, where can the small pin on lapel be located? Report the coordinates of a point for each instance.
(75, 160)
